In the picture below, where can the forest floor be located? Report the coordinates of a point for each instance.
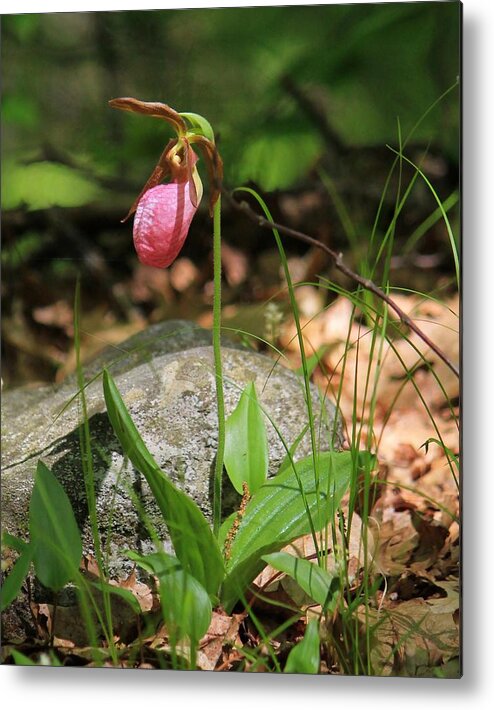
(414, 520)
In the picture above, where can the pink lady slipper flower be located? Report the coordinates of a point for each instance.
(163, 212)
(163, 218)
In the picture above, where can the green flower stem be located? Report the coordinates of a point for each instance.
(218, 469)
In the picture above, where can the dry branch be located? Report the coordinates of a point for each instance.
(337, 259)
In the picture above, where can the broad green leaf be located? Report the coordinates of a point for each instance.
(156, 562)
(45, 659)
(316, 582)
(21, 659)
(305, 657)
(185, 603)
(55, 536)
(199, 125)
(14, 542)
(246, 444)
(190, 533)
(44, 184)
(286, 507)
(285, 165)
(13, 582)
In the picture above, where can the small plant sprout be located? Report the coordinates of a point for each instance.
(163, 212)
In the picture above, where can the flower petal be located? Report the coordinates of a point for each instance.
(162, 222)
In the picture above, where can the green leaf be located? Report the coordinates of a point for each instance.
(246, 443)
(275, 161)
(156, 562)
(44, 184)
(57, 546)
(14, 542)
(190, 533)
(287, 506)
(316, 582)
(13, 583)
(186, 605)
(199, 125)
(20, 659)
(305, 657)
(45, 659)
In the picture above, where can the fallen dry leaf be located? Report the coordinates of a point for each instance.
(59, 315)
(147, 282)
(183, 274)
(412, 639)
(222, 632)
(235, 264)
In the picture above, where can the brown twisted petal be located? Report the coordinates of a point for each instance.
(214, 166)
(160, 172)
(151, 108)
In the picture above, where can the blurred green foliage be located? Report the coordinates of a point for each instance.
(43, 184)
(365, 64)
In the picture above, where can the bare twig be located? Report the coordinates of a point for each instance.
(337, 259)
